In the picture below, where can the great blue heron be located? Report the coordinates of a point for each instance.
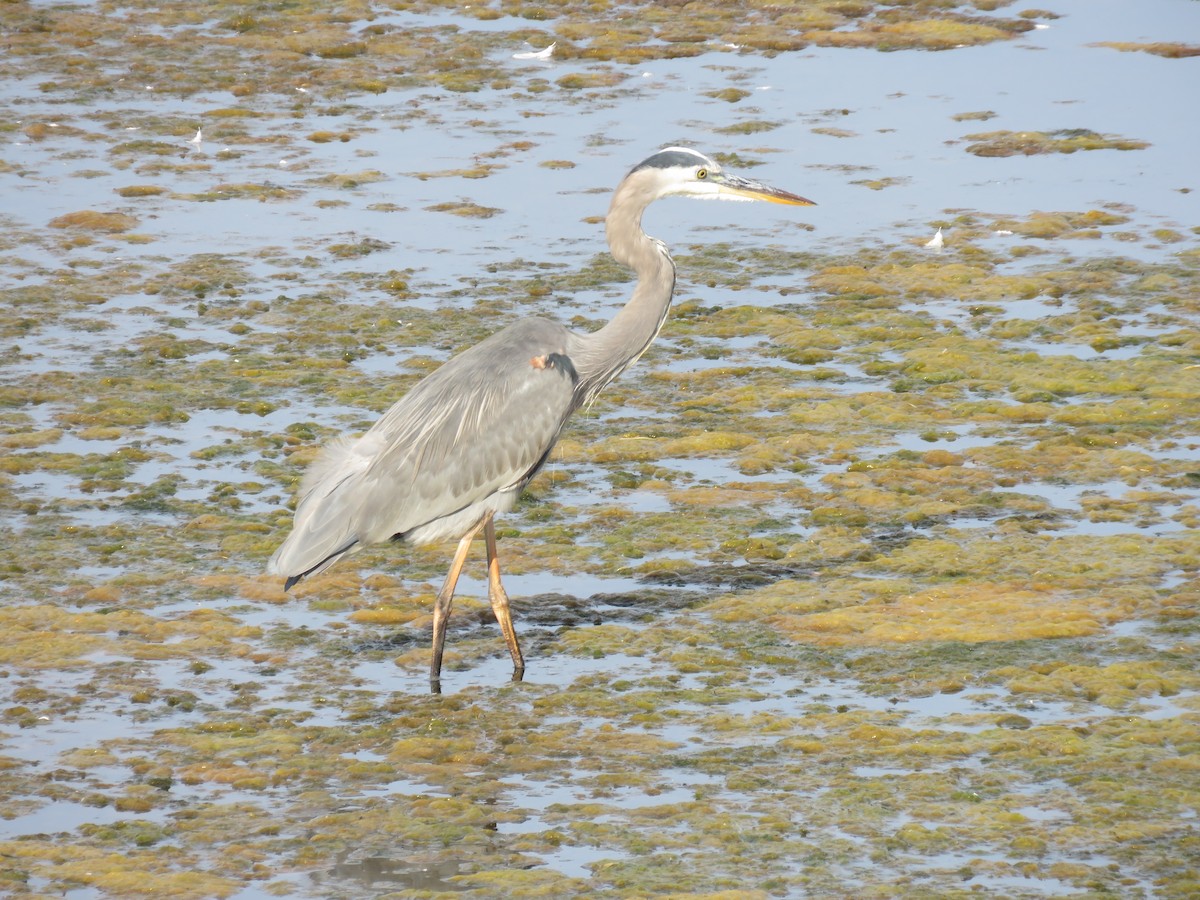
(461, 445)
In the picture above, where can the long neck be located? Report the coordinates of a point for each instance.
(603, 355)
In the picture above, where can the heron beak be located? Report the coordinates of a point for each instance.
(734, 186)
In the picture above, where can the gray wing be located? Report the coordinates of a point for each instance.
(479, 426)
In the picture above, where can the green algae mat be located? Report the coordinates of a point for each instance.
(877, 576)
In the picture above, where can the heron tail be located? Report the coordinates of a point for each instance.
(279, 565)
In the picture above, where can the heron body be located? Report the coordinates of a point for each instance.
(459, 447)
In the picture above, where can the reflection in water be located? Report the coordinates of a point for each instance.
(373, 870)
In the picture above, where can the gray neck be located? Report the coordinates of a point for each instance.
(603, 355)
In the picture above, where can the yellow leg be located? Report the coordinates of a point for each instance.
(445, 597)
(499, 598)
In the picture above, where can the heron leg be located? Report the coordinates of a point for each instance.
(499, 598)
(445, 597)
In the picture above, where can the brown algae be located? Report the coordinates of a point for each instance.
(1028, 143)
(869, 592)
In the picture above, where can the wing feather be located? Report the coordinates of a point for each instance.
(480, 425)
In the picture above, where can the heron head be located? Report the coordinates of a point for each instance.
(681, 171)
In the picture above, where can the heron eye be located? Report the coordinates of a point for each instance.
(701, 174)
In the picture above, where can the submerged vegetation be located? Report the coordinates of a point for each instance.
(877, 575)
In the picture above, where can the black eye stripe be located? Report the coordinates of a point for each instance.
(672, 157)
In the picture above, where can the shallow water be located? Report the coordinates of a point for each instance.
(877, 575)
